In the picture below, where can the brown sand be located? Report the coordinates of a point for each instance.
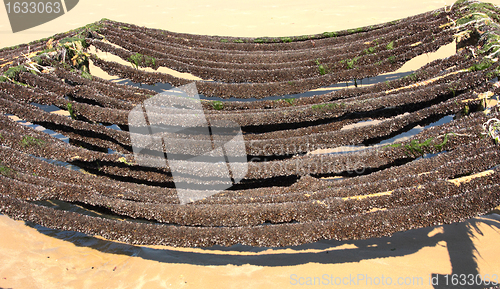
(31, 258)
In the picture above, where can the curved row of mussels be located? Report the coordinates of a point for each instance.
(302, 183)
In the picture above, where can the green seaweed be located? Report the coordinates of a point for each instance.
(416, 147)
(472, 17)
(329, 34)
(141, 60)
(369, 50)
(350, 62)
(323, 68)
(478, 11)
(324, 106)
(491, 42)
(260, 40)
(356, 30)
(395, 145)
(87, 75)
(71, 111)
(217, 105)
(96, 26)
(441, 145)
(6, 171)
(413, 76)
(485, 63)
(13, 72)
(291, 101)
(69, 41)
(453, 88)
(390, 46)
(28, 141)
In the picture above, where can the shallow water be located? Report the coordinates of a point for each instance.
(409, 242)
(39, 128)
(415, 130)
(59, 163)
(162, 87)
(401, 137)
